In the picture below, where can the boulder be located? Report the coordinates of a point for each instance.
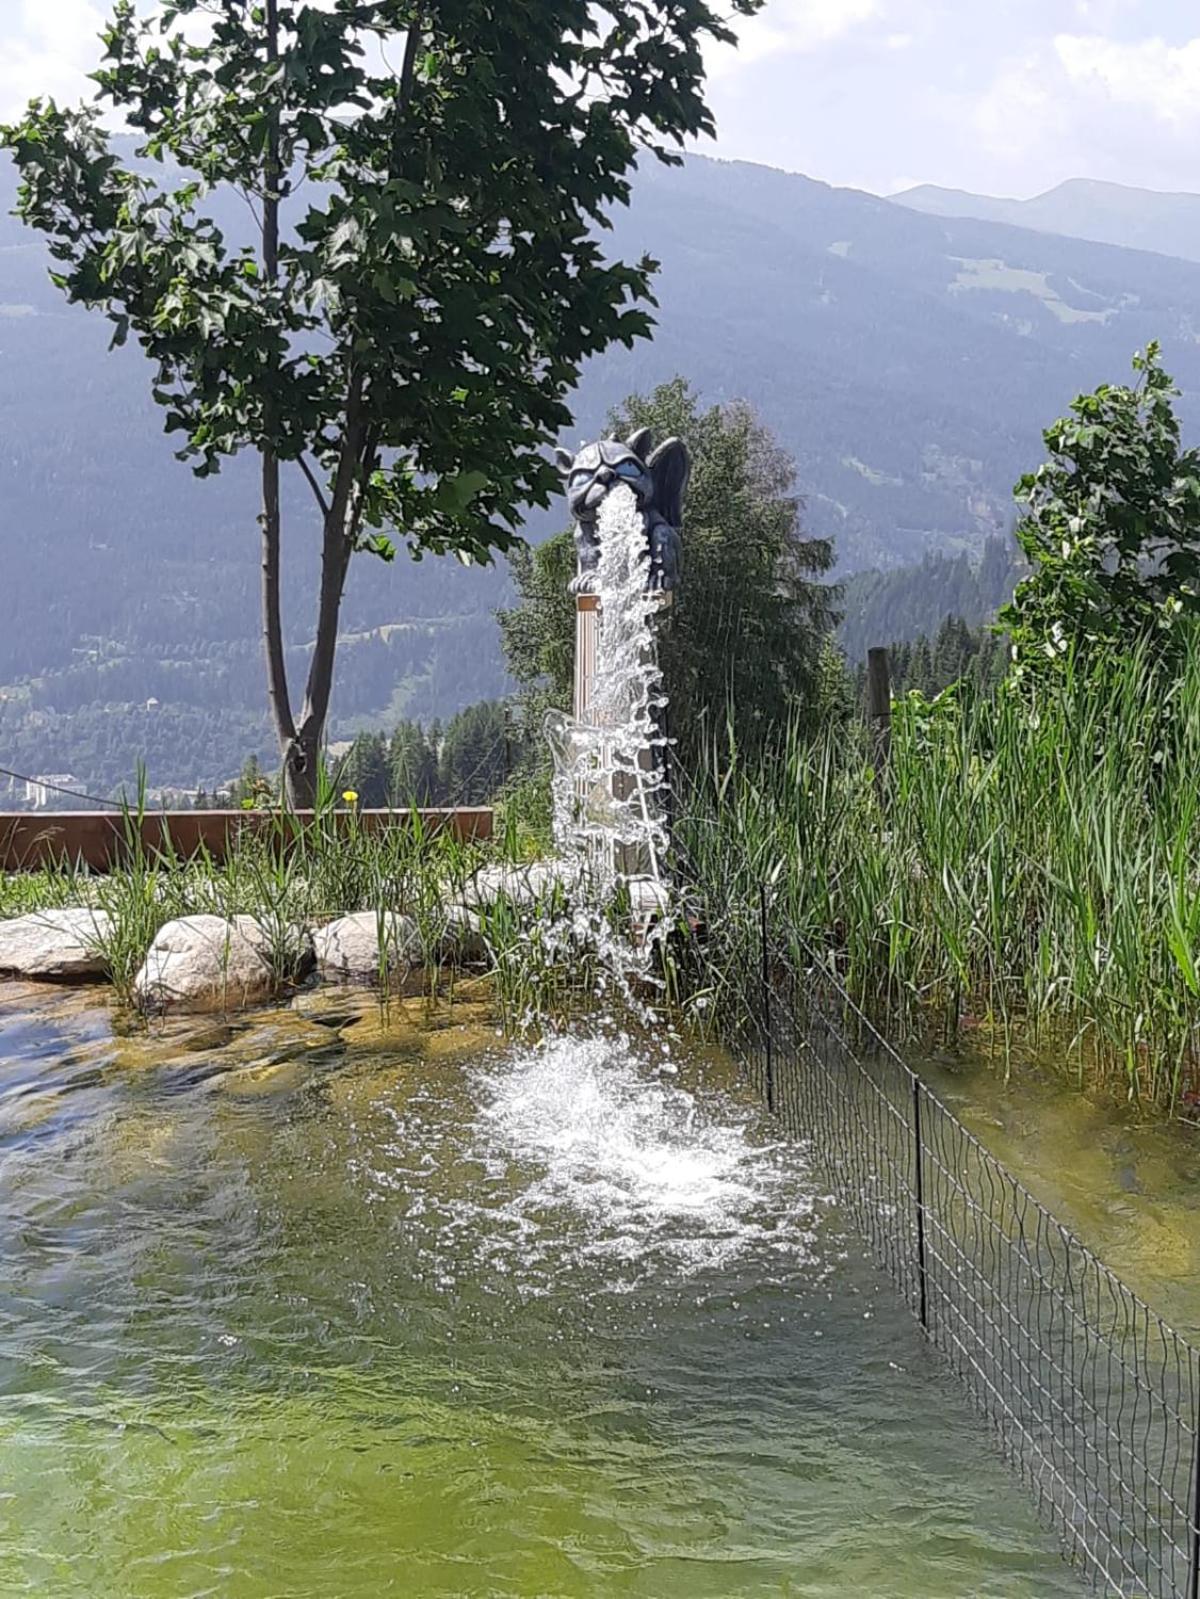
(51, 946)
(203, 963)
(520, 885)
(348, 950)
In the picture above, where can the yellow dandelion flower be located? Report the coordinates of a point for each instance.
(349, 795)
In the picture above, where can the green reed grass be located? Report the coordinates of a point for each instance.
(1032, 862)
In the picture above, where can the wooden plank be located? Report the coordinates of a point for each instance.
(99, 840)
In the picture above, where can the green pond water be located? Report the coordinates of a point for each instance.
(1128, 1183)
(323, 1307)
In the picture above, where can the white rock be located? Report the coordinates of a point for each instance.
(55, 945)
(521, 885)
(202, 963)
(348, 950)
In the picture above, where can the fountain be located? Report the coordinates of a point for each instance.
(611, 788)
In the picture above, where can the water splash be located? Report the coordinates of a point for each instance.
(610, 769)
(655, 1176)
(604, 1161)
(609, 787)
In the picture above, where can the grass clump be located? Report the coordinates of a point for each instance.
(289, 875)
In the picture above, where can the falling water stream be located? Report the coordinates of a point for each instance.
(329, 1305)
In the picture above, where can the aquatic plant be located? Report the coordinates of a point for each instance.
(1031, 861)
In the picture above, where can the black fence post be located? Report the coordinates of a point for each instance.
(1193, 1584)
(768, 1041)
(919, 1159)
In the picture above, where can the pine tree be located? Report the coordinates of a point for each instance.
(474, 763)
(366, 771)
(414, 767)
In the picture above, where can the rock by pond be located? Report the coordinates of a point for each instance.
(208, 963)
(355, 948)
(61, 946)
(520, 885)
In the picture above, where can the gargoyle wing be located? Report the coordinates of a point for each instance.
(670, 466)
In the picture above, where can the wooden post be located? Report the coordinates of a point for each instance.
(879, 710)
(630, 860)
(587, 633)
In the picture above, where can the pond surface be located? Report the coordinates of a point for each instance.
(1127, 1183)
(324, 1307)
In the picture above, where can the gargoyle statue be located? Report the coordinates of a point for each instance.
(657, 477)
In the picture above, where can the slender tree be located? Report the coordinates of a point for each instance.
(424, 280)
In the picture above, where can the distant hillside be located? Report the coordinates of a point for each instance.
(909, 363)
(1110, 213)
(908, 602)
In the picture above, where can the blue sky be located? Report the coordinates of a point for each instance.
(1000, 96)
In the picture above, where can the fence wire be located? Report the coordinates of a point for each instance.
(1093, 1397)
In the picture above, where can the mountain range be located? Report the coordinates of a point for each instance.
(1109, 213)
(907, 360)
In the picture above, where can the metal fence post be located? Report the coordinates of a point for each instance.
(1193, 1584)
(919, 1160)
(768, 1041)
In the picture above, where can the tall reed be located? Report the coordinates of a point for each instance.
(1030, 861)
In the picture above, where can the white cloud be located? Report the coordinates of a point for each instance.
(1021, 110)
(1147, 74)
(1091, 104)
(790, 27)
(49, 48)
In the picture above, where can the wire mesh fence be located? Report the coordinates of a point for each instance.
(1094, 1398)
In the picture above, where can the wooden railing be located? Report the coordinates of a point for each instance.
(99, 840)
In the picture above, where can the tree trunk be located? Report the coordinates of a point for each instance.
(300, 739)
(337, 545)
(298, 763)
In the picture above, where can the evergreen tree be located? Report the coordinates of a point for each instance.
(750, 617)
(252, 788)
(414, 767)
(475, 755)
(366, 771)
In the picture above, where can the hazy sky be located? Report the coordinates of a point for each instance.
(1001, 96)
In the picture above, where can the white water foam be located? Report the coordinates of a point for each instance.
(619, 1159)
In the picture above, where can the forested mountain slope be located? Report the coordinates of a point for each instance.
(908, 361)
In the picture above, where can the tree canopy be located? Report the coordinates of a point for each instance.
(424, 278)
(1111, 528)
